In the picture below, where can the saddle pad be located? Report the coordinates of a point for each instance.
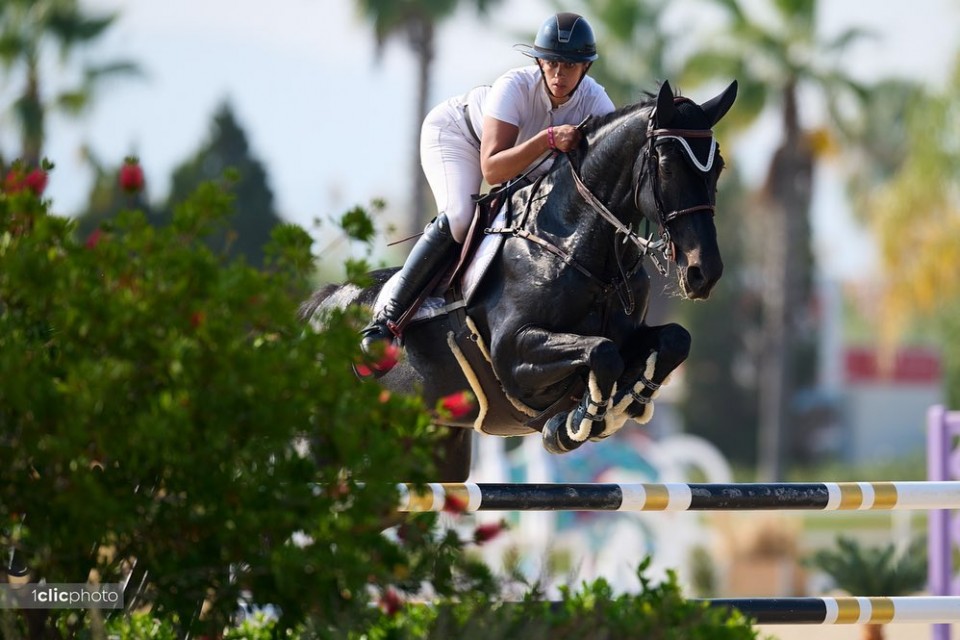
(484, 255)
(434, 306)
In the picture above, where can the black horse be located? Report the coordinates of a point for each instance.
(552, 338)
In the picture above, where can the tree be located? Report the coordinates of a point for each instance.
(255, 216)
(774, 63)
(915, 216)
(27, 29)
(225, 152)
(633, 42)
(719, 381)
(107, 198)
(416, 20)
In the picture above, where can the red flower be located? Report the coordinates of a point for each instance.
(36, 181)
(94, 238)
(13, 182)
(454, 504)
(388, 359)
(391, 353)
(17, 180)
(390, 601)
(197, 318)
(131, 176)
(487, 532)
(362, 370)
(458, 404)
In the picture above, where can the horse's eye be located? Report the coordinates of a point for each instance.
(665, 158)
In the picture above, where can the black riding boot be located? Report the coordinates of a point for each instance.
(433, 251)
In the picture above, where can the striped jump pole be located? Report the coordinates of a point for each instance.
(784, 496)
(846, 610)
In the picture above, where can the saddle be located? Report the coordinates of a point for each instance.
(477, 252)
(449, 295)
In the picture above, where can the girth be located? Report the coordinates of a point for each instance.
(502, 417)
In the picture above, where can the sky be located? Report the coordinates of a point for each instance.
(334, 125)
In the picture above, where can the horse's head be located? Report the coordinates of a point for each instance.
(676, 184)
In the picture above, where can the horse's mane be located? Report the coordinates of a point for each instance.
(598, 122)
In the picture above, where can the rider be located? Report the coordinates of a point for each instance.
(494, 133)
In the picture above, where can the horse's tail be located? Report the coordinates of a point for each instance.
(309, 306)
(341, 296)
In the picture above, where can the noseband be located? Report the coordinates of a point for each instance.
(651, 168)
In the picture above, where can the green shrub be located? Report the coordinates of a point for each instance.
(151, 403)
(657, 612)
(594, 612)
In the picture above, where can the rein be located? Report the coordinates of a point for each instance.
(663, 244)
(619, 284)
(647, 246)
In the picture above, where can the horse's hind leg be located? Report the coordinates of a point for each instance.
(453, 459)
(652, 355)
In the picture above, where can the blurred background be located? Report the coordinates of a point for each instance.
(836, 324)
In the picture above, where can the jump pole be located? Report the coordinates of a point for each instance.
(845, 610)
(783, 496)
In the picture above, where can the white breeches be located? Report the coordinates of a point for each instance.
(450, 157)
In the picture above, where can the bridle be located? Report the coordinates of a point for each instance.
(650, 168)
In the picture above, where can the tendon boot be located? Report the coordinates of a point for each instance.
(432, 253)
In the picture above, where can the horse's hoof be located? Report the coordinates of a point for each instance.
(551, 434)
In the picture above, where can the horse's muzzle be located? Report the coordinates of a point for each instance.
(698, 276)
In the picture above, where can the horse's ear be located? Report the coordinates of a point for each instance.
(665, 107)
(717, 107)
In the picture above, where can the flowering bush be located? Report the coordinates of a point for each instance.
(161, 407)
(19, 179)
(595, 612)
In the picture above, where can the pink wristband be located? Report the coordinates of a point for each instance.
(550, 139)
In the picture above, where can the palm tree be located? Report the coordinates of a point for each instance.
(27, 29)
(915, 216)
(633, 43)
(879, 571)
(416, 20)
(774, 63)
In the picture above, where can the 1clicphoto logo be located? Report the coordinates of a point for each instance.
(61, 596)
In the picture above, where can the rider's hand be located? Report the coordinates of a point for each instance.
(565, 137)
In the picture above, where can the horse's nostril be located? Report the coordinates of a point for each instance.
(695, 278)
(698, 283)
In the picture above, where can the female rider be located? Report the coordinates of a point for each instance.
(495, 134)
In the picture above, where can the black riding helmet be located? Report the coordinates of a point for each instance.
(566, 36)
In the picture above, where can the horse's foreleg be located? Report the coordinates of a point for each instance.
(545, 358)
(652, 356)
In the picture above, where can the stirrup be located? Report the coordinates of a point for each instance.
(377, 362)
